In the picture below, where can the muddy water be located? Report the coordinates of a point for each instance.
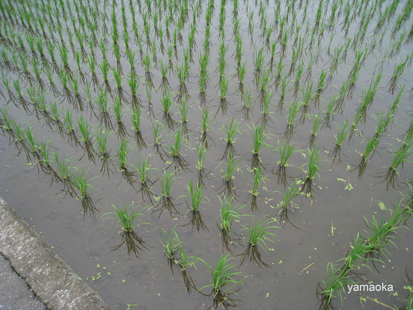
(327, 223)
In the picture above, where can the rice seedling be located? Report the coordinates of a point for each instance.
(322, 81)
(370, 147)
(31, 140)
(204, 121)
(127, 220)
(102, 101)
(100, 146)
(259, 233)
(81, 182)
(335, 284)
(285, 152)
(18, 133)
(63, 167)
(223, 87)
(68, 123)
(292, 113)
(223, 282)
(117, 108)
(166, 101)
(123, 153)
(201, 149)
(395, 106)
(170, 246)
(84, 128)
(231, 131)
(258, 138)
(258, 178)
(45, 151)
(166, 185)
(118, 78)
(179, 141)
(400, 156)
(231, 167)
(104, 66)
(317, 121)
(183, 109)
(134, 85)
(313, 168)
(228, 214)
(342, 134)
(194, 197)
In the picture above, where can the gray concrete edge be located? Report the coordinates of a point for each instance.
(50, 278)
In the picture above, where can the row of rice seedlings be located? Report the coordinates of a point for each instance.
(380, 235)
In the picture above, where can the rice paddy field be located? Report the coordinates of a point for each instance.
(214, 153)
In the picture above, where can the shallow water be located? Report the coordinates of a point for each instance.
(298, 258)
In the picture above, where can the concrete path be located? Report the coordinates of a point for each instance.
(54, 283)
(14, 292)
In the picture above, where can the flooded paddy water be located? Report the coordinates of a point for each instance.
(309, 66)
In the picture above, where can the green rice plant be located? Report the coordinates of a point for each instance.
(370, 147)
(258, 178)
(63, 166)
(223, 87)
(75, 85)
(258, 138)
(289, 194)
(395, 106)
(91, 65)
(314, 164)
(308, 94)
(31, 140)
(184, 109)
(285, 152)
(265, 79)
(231, 167)
(179, 141)
(157, 127)
(342, 133)
(118, 78)
(334, 284)
(102, 138)
(143, 169)
(400, 156)
(280, 67)
(80, 181)
(247, 98)
(382, 122)
(123, 153)
(231, 131)
(117, 108)
(184, 257)
(127, 220)
(44, 151)
(259, 60)
(84, 128)
(18, 133)
(170, 246)
(228, 214)
(317, 120)
(17, 87)
(134, 85)
(330, 106)
(241, 72)
(202, 150)
(322, 81)
(223, 281)
(166, 184)
(68, 122)
(104, 66)
(166, 101)
(292, 112)
(258, 233)
(102, 101)
(194, 197)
